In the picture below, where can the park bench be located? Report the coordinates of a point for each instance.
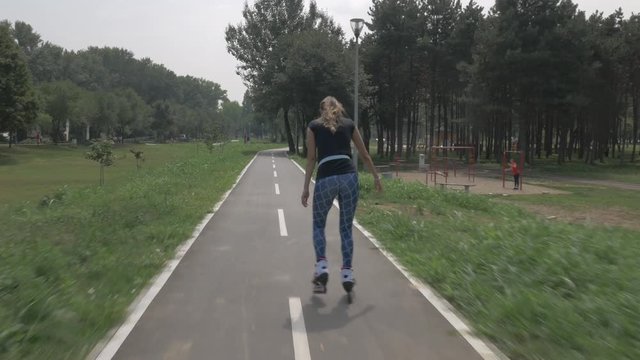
(384, 171)
(466, 186)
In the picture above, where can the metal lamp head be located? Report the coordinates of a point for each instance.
(357, 25)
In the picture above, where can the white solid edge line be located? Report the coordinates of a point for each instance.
(487, 352)
(298, 330)
(283, 224)
(106, 351)
(277, 189)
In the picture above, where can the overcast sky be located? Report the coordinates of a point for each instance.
(187, 36)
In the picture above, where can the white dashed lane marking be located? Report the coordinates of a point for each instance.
(298, 330)
(283, 224)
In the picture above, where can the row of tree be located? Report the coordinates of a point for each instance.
(533, 75)
(50, 92)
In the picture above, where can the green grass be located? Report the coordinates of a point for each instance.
(30, 172)
(537, 289)
(610, 170)
(581, 197)
(69, 268)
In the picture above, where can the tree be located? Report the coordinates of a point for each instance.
(391, 56)
(248, 116)
(232, 118)
(26, 37)
(46, 63)
(101, 152)
(631, 34)
(86, 116)
(163, 120)
(18, 107)
(254, 44)
(132, 113)
(60, 102)
(216, 136)
(316, 66)
(261, 45)
(138, 154)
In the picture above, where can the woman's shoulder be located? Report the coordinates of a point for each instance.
(346, 121)
(315, 123)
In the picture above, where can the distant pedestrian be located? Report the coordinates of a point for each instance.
(515, 170)
(329, 141)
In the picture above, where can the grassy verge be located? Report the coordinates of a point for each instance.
(582, 197)
(610, 170)
(537, 289)
(70, 268)
(30, 172)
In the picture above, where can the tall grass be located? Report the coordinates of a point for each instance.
(537, 289)
(70, 266)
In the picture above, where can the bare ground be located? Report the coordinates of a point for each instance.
(481, 184)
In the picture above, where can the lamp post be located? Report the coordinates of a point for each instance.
(356, 25)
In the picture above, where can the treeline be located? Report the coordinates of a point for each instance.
(533, 75)
(536, 75)
(103, 92)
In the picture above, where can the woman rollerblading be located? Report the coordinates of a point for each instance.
(329, 142)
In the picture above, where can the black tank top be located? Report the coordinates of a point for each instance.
(331, 144)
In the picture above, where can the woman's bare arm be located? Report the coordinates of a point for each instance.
(311, 164)
(366, 158)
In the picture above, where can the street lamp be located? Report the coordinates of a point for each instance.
(356, 25)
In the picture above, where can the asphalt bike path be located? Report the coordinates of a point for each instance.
(243, 290)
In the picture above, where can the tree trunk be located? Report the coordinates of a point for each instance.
(380, 131)
(636, 120)
(366, 129)
(432, 122)
(562, 146)
(287, 127)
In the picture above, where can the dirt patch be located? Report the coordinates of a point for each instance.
(491, 185)
(480, 184)
(609, 217)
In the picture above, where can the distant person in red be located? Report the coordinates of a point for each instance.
(516, 174)
(38, 138)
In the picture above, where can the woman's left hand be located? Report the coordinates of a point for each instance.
(305, 197)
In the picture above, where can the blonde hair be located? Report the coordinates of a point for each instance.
(330, 113)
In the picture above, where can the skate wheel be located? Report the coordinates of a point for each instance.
(319, 289)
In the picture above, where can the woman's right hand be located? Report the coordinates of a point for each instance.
(305, 197)
(378, 184)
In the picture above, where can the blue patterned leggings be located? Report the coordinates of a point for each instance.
(345, 188)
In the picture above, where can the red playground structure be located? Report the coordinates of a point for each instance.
(445, 160)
